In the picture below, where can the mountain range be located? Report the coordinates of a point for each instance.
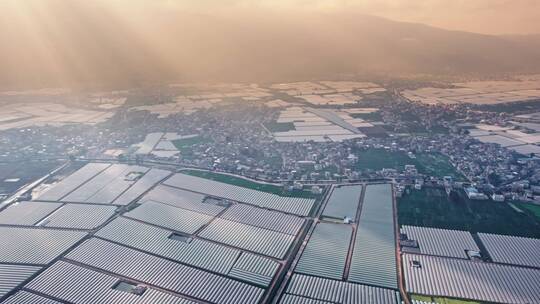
(79, 47)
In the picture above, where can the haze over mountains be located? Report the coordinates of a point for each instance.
(88, 45)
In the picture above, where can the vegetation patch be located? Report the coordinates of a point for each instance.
(188, 142)
(532, 209)
(375, 131)
(440, 300)
(377, 159)
(432, 164)
(436, 164)
(432, 207)
(373, 116)
(246, 183)
(14, 175)
(422, 298)
(279, 126)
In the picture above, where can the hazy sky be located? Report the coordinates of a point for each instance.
(481, 16)
(65, 42)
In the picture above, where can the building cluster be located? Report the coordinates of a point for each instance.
(233, 136)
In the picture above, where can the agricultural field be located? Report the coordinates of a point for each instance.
(431, 207)
(373, 116)
(377, 159)
(440, 300)
(433, 164)
(436, 164)
(533, 209)
(186, 143)
(15, 175)
(242, 182)
(279, 126)
(482, 93)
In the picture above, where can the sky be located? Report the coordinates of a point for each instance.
(66, 42)
(479, 16)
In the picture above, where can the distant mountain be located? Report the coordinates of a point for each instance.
(526, 41)
(88, 46)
